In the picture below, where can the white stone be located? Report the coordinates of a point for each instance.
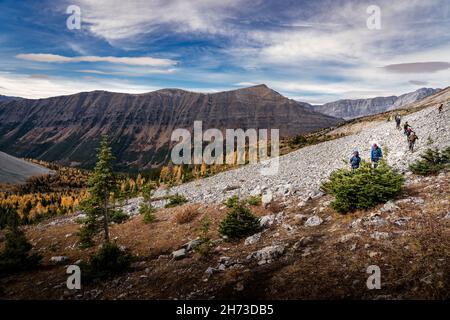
(266, 221)
(267, 198)
(380, 235)
(267, 254)
(252, 239)
(179, 254)
(58, 259)
(313, 221)
(389, 207)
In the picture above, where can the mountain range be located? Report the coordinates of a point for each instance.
(349, 109)
(67, 128)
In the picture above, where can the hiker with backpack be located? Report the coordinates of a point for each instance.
(398, 120)
(355, 160)
(408, 132)
(375, 155)
(405, 127)
(440, 108)
(412, 140)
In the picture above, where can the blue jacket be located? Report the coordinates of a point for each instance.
(376, 154)
(354, 161)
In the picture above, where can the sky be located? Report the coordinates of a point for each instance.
(313, 51)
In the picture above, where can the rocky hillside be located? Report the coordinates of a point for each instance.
(302, 172)
(303, 249)
(67, 128)
(349, 109)
(14, 170)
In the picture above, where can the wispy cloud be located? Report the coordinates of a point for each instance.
(116, 19)
(134, 61)
(418, 67)
(418, 82)
(32, 87)
(136, 73)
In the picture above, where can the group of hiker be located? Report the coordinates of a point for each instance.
(375, 156)
(411, 136)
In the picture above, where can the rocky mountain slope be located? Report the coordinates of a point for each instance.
(349, 109)
(14, 170)
(302, 172)
(67, 128)
(304, 249)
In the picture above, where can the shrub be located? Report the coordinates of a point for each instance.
(186, 214)
(431, 162)
(16, 254)
(254, 200)
(118, 216)
(363, 188)
(298, 140)
(109, 261)
(232, 202)
(240, 222)
(175, 200)
(89, 229)
(205, 245)
(148, 211)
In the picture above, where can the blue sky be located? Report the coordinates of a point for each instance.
(313, 51)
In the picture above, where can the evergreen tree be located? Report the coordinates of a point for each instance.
(16, 254)
(240, 222)
(364, 187)
(101, 184)
(431, 162)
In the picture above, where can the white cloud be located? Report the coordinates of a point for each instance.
(245, 84)
(134, 61)
(117, 19)
(34, 88)
(130, 72)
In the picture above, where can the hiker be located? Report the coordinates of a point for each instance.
(398, 120)
(355, 160)
(405, 127)
(408, 132)
(375, 155)
(440, 108)
(412, 140)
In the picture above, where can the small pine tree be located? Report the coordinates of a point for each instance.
(232, 201)
(175, 200)
(364, 187)
(431, 162)
(205, 244)
(16, 254)
(101, 184)
(109, 261)
(240, 222)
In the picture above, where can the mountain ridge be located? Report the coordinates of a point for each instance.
(67, 128)
(354, 108)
